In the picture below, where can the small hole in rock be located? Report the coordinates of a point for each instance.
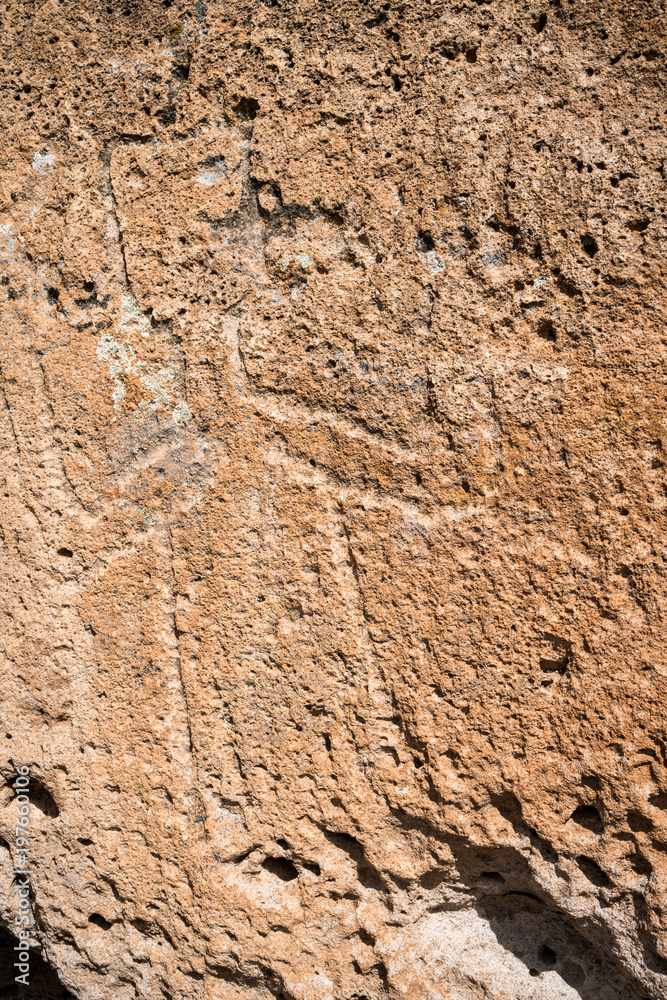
(281, 868)
(639, 823)
(641, 865)
(99, 921)
(67, 553)
(41, 798)
(547, 955)
(546, 331)
(589, 818)
(554, 666)
(432, 879)
(424, 242)
(593, 872)
(589, 245)
(247, 107)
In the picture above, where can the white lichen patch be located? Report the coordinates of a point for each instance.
(181, 414)
(210, 177)
(304, 260)
(41, 161)
(121, 357)
(155, 384)
(132, 320)
(122, 361)
(436, 263)
(149, 519)
(117, 395)
(7, 242)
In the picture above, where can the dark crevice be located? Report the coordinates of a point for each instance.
(44, 983)
(591, 869)
(369, 876)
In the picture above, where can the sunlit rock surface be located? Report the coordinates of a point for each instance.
(332, 417)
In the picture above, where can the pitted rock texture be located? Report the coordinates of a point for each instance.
(333, 428)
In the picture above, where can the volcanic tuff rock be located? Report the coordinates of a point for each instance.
(333, 456)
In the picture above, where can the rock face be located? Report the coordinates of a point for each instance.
(333, 424)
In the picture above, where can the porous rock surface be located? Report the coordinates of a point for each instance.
(333, 441)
